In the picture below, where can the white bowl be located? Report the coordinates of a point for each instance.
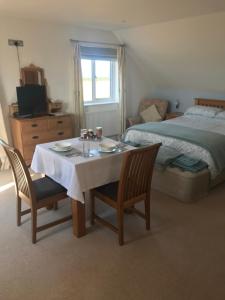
(107, 146)
(63, 145)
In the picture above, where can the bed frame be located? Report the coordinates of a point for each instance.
(210, 102)
(187, 186)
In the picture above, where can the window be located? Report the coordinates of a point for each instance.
(99, 72)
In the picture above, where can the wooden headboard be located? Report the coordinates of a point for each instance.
(210, 102)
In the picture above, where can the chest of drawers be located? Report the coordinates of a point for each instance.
(27, 133)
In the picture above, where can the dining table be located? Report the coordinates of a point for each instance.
(79, 172)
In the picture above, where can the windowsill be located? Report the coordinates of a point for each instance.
(100, 103)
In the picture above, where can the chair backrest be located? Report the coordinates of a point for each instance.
(136, 173)
(161, 105)
(21, 173)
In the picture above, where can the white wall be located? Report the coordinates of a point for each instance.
(181, 59)
(185, 96)
(46, 45)
(137, 82)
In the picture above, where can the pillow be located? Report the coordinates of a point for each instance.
(161, 106)
(151, 114)
(205, 111)
(220, 115)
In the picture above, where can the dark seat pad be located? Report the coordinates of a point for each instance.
(110, 190)
(46, 187)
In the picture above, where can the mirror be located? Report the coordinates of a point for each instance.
(32, 75)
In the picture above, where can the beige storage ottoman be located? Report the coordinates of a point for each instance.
(182, 185)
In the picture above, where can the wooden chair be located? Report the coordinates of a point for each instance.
(134, 186)
(37, 194)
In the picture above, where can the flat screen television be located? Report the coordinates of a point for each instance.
(32, 100)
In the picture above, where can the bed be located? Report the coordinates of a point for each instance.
(184, 185)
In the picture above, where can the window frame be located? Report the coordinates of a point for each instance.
(113, 85)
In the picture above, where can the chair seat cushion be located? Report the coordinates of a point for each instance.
(46, 187)
(110, 190)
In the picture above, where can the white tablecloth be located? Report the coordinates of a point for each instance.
(77, 174)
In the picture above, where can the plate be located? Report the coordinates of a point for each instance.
(107, 150)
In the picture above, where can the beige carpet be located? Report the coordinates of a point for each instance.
(183, 257)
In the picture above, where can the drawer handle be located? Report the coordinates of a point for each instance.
(60, 122)
(34, 125)
(35, 137)
(60, 133)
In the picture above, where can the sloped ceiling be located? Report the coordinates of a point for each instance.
(182, 54)
(109, 14)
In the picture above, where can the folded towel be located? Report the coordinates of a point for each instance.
(188, 163)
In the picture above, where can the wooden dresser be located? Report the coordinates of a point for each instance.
(27, 133)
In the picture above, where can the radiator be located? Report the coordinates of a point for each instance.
(108, 119)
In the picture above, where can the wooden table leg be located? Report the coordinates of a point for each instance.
(78, 212)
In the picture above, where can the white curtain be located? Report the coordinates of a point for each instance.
(78, 88)
(4, 164)
(122, 88)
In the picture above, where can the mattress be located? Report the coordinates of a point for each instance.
(184, 186)
(192, 121)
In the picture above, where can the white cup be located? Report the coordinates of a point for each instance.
(99, 132)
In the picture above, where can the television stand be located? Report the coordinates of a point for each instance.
(30, 116)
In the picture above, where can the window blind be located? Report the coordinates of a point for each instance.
(97, 53)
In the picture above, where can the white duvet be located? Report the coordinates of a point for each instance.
(193, 121)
